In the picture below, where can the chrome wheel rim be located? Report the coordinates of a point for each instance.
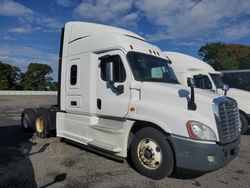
(39, 124)
(149, 153)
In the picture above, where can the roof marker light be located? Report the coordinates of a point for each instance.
(150, 51)
(154, 52)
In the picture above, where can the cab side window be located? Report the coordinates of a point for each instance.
(202, 81)
(73, 75)
(119, 70)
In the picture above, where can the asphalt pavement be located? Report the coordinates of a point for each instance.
(27, 161)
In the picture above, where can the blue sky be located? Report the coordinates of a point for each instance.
(30, 29)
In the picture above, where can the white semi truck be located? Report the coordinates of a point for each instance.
(119, 97)
(207, 78)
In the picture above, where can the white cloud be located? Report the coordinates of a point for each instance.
(7, 50)
(191, 18)
(43, 21)
(113, 12)
(237, 30)
(28, 20)
(64, 3)
(11, 8)
(19, 30)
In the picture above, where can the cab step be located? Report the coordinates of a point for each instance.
(104, 146)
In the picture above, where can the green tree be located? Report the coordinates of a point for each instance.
(53, 86)
(223, 56)
(245, 62)
(36, 77)
(219, 56)
(9, 77)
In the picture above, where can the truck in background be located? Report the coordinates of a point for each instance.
(118, 96)
(207, 78)
(239, 79)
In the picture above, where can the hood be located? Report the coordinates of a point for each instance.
(170, 101)
(182, 91)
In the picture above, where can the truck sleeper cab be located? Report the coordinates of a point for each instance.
(118, 95)
(208, 79)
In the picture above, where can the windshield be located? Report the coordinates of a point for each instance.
(217, 79)
(148, 68)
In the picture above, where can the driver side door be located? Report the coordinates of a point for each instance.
(111, 102)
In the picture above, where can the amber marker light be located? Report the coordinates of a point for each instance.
(132, 109)
(131, 47)
(190, 130)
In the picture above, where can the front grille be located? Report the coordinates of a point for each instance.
(227, 118)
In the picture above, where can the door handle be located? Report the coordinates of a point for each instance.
(99, 104)
(73, 103)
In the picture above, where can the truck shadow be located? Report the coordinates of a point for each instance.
(184, 174)
(16, 169)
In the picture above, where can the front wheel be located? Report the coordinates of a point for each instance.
(151, 153)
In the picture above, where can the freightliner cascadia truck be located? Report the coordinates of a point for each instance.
(119, 97)
(207, 78)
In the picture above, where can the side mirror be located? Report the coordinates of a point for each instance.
(110, 77)
(225, 88)
(120, 89)
(191, 82)
(191, 102)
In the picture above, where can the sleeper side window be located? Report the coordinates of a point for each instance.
(119, 70)
(73, 75)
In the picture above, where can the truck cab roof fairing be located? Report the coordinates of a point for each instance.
(84, 29)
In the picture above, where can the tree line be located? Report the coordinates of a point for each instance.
(223, 56)
(35, 78)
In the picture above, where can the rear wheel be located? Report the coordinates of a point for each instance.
(151, 153)
(28, 120)
(244, 124)
(42, 123)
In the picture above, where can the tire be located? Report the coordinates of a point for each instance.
(28, 120)
(42, 123)
(151, 154)
(244, 124)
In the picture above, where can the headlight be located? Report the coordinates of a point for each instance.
(199, 131)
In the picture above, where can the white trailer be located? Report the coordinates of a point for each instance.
(207, 78)
(119, 97)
